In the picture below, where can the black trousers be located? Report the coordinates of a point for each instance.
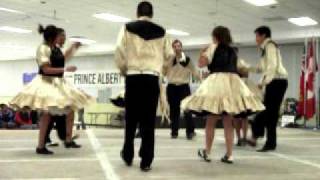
(141, 101)
(175, 94)
(268, 118)
(59, 122)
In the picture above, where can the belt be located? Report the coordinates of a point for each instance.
(146, 72)
(280, 77)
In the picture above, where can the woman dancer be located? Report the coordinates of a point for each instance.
(241, 123)
(64, 123)
(49, 92)
(223, 94)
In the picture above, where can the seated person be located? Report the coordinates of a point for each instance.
(23, 119)
(6, 117)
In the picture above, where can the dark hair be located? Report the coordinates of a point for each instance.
(177, 41)
(222, 35)
(60, 31)
(263, 30)
(49, 33)
(145, 9)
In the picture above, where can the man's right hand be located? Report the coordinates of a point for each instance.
(71, 69)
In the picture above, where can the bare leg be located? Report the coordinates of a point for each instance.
(70, 123)
(237, 125)
(43, 126)
(210, 129)
(245, 125)
(228, 133)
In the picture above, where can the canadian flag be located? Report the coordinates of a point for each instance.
(307, 103)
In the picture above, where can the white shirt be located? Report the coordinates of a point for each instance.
(178, 74)
(270, 65)
(137, 54)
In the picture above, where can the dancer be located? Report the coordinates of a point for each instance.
(274, 82)
(141, 52)
(63, 123)
(222, 95)
(179, 72)
(241, 123)
(49, 92)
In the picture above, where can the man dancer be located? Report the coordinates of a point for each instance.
(274, 81)
(179, 73)
(141, 52)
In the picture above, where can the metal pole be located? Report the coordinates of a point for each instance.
(318, 83)
(304, 82)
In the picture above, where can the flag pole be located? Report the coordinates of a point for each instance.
(304, 82)
(318, 83)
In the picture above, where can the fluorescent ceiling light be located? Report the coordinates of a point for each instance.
(82, 40)
(262, 2)
(303, 21)
(15, 47)
(11, 10)
(15, 30)
(177, 32)
(111, 17)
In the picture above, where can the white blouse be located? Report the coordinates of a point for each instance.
(43, 55)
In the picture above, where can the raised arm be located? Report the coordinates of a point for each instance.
(71, 50)
(43, 59)
(168, 54)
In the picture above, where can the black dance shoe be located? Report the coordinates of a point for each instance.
(191, 136)
(239, 143)
(52, 144)
(227, 160)
(244, 142)
(145, 168)
(203, 154)
(71, 144)
(174, 136)
(43, 151)
(266, 149)
(252, 143)
(128, 162)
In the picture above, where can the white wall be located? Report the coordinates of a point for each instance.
(11, 71)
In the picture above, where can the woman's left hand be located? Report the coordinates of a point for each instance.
(77, 45)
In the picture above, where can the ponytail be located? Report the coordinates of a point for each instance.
(41, 29)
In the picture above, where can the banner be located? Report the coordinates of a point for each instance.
(95, 79)
(28, 77)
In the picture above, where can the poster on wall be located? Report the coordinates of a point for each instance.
(83, 79)
(28, 77)
(101, 84)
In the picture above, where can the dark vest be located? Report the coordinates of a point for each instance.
(57, 60)
(184, 64)
(224, 60)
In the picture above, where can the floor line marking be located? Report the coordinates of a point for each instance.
(46, 160)
(294, 159)
(44, 179)
(102, 156)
